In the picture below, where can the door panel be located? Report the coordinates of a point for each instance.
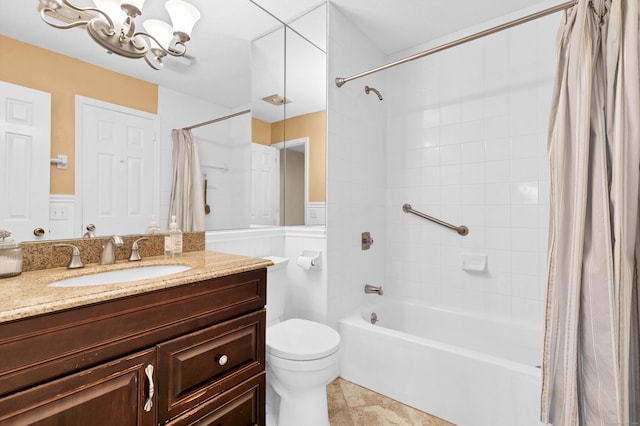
(25, 146)
(265, 167)
(119, 167)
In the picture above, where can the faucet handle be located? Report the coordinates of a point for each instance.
(90, 234)
(135, 252)
(75, 262)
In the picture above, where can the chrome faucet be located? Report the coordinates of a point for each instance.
(368, 288)
(108, 256)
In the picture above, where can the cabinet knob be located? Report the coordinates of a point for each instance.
(38, 232)
(222, 360)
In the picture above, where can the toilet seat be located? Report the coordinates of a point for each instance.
(301, 340)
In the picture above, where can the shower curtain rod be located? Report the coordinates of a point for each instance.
(340, 81)
(215, 120)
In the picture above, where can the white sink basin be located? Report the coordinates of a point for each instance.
(121, 276)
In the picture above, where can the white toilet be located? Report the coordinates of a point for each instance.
(302, 358)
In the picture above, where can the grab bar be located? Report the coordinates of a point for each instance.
(462, 230)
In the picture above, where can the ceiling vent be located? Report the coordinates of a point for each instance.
(277, 100)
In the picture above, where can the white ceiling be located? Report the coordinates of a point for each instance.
(221, 40)
(396, 25)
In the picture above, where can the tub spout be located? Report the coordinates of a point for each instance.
(368, 288)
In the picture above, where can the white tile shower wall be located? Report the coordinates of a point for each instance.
(229, 190)
(466, 142)
(356, 163)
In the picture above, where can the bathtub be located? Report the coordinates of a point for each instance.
(470, 370)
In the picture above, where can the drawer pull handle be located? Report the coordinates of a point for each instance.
(222, 360)
(149, 403)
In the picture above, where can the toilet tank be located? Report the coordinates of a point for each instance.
(276, 289)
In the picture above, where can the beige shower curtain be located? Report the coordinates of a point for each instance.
(591, 367)
(187, 199)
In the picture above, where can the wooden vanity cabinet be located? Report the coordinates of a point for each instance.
(191, 354)
(112, 393)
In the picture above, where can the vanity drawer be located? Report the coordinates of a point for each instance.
(198, 366)
(241, 405)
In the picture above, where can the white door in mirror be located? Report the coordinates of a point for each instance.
(25, 145)
(119, 169)
(265, 183)
(121, 276)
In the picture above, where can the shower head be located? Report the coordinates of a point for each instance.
(368, 89)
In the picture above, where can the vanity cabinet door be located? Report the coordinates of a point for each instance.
(114, 393)
(198, 366)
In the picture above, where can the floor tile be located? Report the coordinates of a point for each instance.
(335, 397)
(354, 405)
(357, 396)
(340, 417)
(380, 415)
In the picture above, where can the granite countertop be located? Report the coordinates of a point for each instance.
(28, 294)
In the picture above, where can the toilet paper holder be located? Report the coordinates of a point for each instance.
(309, 259)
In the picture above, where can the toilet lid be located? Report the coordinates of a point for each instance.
(300, 340)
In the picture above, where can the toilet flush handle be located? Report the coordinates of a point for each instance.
(222, 360)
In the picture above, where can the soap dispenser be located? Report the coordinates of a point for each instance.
(153, 226)
(175, 239)
(10, 256)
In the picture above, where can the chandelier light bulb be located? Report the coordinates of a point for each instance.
(183, 17)
(111, 8)
(135, 3)
(161, 31)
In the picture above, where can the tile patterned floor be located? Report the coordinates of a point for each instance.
(353, 405)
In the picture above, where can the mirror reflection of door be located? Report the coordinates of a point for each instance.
(25, 122)
(265, 186)
(118, 178)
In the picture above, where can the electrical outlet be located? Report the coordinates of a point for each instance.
(58, 212)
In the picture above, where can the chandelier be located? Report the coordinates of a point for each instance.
(112, 24)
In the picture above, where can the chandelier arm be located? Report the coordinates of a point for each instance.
(181, 52)
(157, 65)
(89, 9)
(45, 18)
(133, 41)
(131, 24)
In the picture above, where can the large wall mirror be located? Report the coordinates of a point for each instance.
(240, 53)
(289, 123)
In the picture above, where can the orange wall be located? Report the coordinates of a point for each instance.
(65, 77)
(260, 132)
(314, 126)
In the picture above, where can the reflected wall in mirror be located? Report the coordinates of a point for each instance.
(293, 128)
(215, 80)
